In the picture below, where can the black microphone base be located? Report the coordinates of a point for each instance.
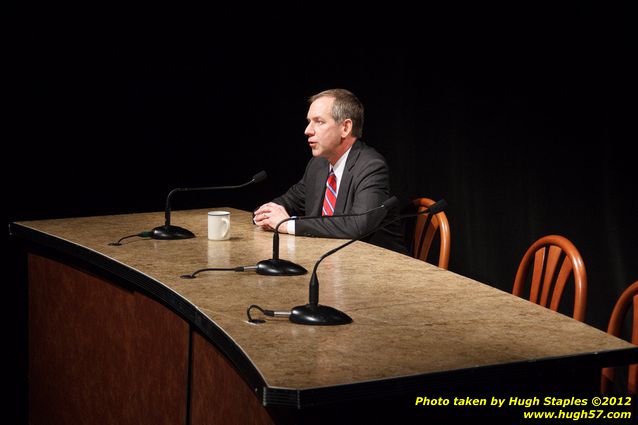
(171, 232)
(278, 267)
(317, 314)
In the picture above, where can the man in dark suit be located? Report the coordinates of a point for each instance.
(344, 176)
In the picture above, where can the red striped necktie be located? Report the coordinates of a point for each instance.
(330, 199)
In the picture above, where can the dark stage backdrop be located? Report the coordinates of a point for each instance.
(521, 124)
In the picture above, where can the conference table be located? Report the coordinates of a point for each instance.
(116, 335)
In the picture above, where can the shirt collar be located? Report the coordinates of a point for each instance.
(340, 165)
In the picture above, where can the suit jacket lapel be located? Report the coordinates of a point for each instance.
(346, 178)
(319, 191)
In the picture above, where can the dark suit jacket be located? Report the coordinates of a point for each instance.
(365, 184)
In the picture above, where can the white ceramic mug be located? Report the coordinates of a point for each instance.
(218, 225)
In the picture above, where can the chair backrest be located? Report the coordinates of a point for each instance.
(423, 238)
(554, 260)
(628, 298)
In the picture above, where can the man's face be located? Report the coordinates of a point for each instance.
(324, 134)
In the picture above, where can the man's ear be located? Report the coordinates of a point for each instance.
(346, 127)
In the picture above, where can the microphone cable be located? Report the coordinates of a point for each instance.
(139, 235)
(217, 269)
(269, 313)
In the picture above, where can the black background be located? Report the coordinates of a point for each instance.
(522, 119)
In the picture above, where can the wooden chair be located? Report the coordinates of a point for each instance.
(547, 255)
(618, 315)
(437, 224)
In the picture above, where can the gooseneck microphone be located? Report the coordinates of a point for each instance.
(314, 313)
(278, 267)
(168, 231)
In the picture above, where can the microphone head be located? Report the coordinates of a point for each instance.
(438, 206)
(260, 176)
(391, 203)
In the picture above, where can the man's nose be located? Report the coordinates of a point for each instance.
(309, 130)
